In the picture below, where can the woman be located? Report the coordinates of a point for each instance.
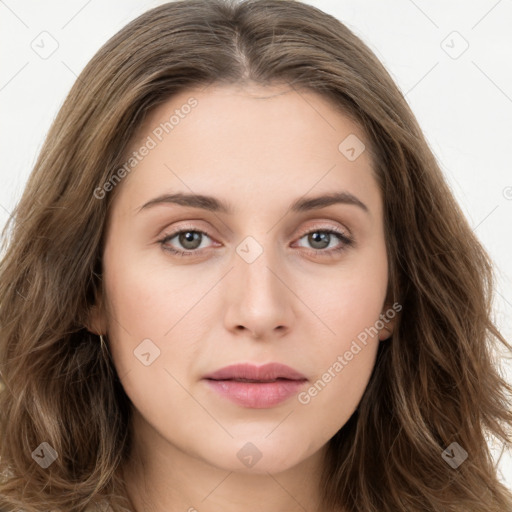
(237, 278)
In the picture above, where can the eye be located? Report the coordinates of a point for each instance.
(190, 239)
(321, 238)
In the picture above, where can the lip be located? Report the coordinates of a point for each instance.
(266, 372)
(261, 387)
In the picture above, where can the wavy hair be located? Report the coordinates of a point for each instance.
(436, 381)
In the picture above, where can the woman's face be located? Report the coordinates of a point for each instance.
(257, 277)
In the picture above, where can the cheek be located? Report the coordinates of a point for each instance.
(145, 323)
(155, 314)
(343, 361)
(147, 298)
(351, 300)
(345, 356)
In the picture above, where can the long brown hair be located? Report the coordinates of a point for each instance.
(435, 381)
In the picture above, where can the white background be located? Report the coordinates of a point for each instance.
(463, 104)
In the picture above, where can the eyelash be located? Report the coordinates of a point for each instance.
(347, 241)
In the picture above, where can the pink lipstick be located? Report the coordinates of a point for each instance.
(257, 387)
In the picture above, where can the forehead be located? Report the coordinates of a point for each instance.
(245, 141)
(255, 108)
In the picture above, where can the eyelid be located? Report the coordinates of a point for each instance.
(186, 226)
(314, 227)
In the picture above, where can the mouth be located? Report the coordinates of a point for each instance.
(256, 387)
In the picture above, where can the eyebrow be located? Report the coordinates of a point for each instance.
(213, 204)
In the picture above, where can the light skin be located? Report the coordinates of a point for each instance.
(258, 149)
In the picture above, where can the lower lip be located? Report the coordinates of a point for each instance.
(257, 395)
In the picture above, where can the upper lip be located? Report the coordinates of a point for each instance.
(265, 373)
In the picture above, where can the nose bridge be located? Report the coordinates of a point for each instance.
(259, 299)
(257, 266)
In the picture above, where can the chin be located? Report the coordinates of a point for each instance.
(259, 456)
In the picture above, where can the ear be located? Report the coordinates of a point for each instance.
(388, 317)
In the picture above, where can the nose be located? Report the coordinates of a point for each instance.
(258, 298)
